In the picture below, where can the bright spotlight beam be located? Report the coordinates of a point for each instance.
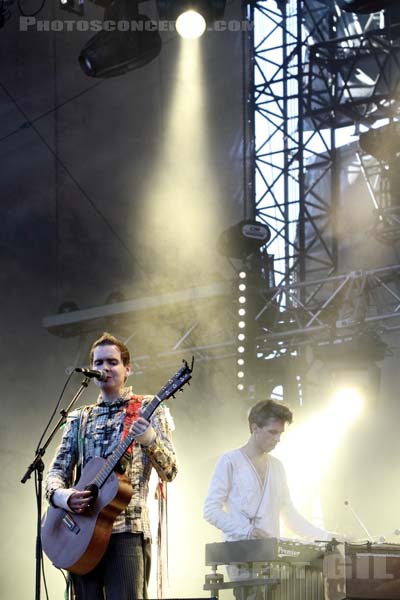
(190, 25)
(347, 403)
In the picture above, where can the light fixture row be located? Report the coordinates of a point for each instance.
(241, 333)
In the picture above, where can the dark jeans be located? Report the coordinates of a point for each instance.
(122, 574)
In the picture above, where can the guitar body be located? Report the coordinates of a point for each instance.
(78, 542)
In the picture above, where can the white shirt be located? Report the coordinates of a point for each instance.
(238, 500)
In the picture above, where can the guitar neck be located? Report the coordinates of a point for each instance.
(176, 383)
(123, 446)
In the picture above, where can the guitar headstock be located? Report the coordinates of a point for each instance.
(173, 385)
(177, 382)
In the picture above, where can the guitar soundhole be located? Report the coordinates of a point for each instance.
(94, 490)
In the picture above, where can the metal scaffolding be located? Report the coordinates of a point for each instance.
(284, 199)
(318, 70)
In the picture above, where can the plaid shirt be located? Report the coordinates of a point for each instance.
(96, 430)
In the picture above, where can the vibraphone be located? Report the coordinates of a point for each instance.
(372, 571)
(280, 570)
(290, 570)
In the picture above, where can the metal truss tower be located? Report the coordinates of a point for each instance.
(317, 71)
(284, 199)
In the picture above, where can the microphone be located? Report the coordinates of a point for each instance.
(100, 375)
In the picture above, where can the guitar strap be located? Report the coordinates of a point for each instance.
(83, 418)
(132, 413)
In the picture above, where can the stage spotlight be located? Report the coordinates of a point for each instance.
(243, 239)
(346, 404)
(190, 25)
(73, 6)
(191, 16)
(363, 7)
(129, 42)
(352, 363)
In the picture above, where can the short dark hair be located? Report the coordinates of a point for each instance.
(269, 409)
(110, 340)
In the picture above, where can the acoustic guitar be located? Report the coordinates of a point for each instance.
(78, 542)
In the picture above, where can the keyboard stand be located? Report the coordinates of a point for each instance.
(214, 583)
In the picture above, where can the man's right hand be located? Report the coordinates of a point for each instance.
(80, 501)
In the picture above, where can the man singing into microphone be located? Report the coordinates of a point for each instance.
(95, 431)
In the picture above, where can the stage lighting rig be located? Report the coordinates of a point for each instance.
(191, 16)
(243, 239)
(128, 42)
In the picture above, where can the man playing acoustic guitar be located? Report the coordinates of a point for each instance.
(95, 431)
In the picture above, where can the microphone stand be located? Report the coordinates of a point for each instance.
(38, 466)
(355, 515)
